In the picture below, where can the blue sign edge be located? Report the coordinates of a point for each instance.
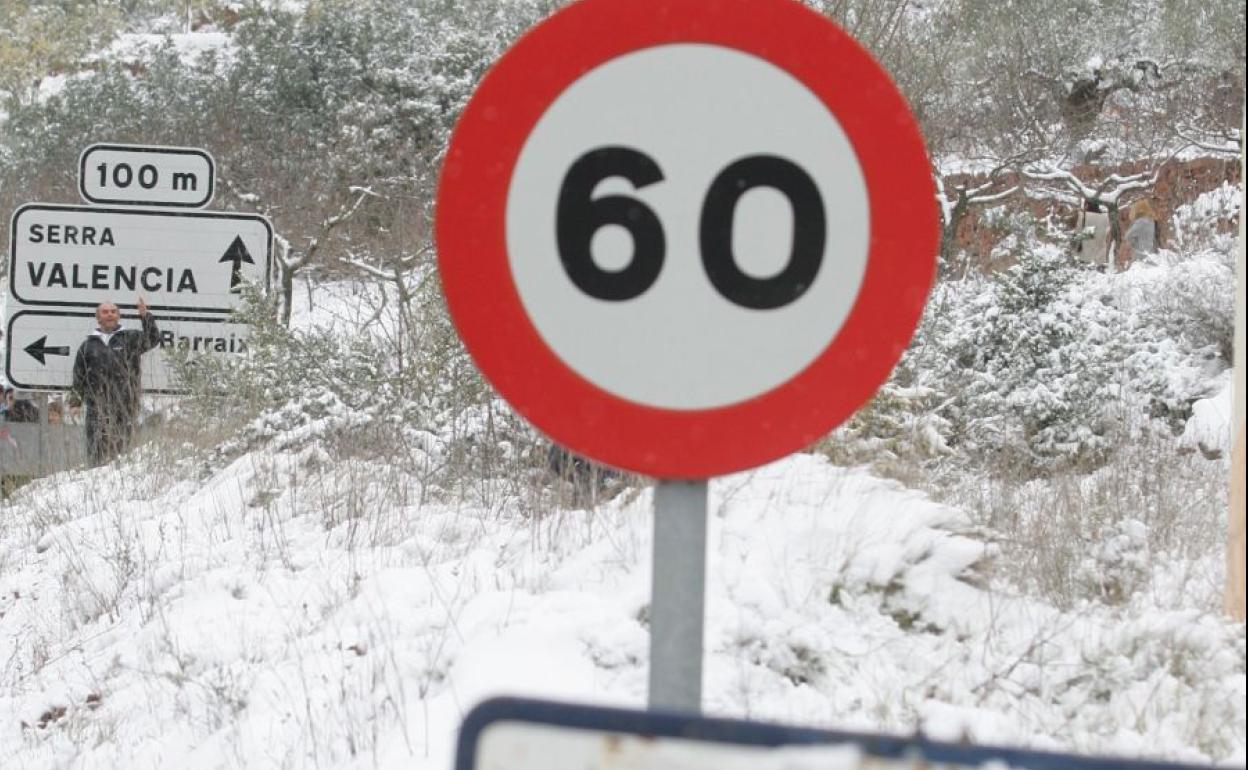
(761, 734)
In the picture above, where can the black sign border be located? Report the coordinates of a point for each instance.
(10, 351)
(25, 303)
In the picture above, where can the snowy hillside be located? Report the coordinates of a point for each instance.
(333, 547)
(289, 594)
(283, 611)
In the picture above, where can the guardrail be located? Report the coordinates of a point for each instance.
(30, 450)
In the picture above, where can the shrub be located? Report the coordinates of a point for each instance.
(1023, 365)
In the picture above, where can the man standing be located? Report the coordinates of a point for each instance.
(107, 379)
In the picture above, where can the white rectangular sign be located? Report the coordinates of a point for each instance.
(518, 734)
(136, 175)
(521, 746)
(180, 261)
(40, 346)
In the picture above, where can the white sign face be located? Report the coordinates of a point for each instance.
(41, 346)
(525, 746)
(134, 175)
(185, 262)
(763, 223)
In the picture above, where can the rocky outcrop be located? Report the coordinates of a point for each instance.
(1180, 182)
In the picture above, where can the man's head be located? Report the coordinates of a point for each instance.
(107, 316)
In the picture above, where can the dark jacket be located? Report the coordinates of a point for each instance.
(107, 373)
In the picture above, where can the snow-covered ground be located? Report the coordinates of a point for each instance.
(283, 610)
(275, 606)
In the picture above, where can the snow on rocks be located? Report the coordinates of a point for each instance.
(1209, 428)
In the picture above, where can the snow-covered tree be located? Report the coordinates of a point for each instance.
(1047, 76)
(330, 117)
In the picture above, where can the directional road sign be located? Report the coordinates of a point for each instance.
(188, 262)
(536, 735)
(137, 175)
(42, 344)
(686, 243)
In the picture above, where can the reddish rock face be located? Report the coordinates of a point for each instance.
(1180, 182)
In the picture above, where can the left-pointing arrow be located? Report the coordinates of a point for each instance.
(38, 349)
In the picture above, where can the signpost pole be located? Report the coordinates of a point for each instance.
(1235, 515)
(678, 593)
(42, 400)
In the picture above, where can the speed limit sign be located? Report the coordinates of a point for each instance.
(686, 237)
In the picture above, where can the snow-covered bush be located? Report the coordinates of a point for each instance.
(1049, 365)
(1181, 315)
(1195, 301)
(343, 386)
(1118, 564)
(1211, 217)
(1018, 368)
(1148, 526)
(899, 428)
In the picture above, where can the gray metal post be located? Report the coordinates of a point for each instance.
(678, 595)
(43, 433)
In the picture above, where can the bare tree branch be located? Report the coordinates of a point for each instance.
(1204, 140)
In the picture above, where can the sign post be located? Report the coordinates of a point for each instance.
(686, 244)
(678, 595)
(1234, 600)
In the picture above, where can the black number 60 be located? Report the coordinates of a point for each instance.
(579, 216)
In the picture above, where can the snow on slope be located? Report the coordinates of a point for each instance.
(284, 610)
(1211, 426)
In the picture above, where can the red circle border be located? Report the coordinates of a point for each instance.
(688, 444)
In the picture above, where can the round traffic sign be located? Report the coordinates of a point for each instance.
(686, 242)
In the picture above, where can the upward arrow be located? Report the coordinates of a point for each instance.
(237, 254)
(38, 349)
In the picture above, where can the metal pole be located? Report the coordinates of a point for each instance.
(42, 467)
(678, 595)
(1235, 516)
